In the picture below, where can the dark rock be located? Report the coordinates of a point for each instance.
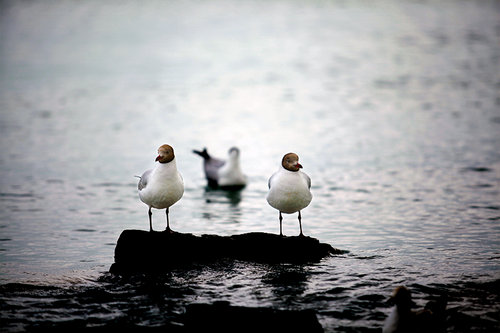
(138, 250)
(221, 317)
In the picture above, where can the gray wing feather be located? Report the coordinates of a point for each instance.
(308, 179)
(270, 180)
(212, 167)
(143, 181)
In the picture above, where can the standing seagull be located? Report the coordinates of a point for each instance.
(289, 189)
(161, 186)
(223, 174)
(403, 319)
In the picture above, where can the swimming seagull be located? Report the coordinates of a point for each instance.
(221, 173)
(289, 189)
(403, 319)
(162, 186)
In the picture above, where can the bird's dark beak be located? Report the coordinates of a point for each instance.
(158, 158)
(298, 165)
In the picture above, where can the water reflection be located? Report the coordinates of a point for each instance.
(222, 206)
(233, 197)
(287, 281)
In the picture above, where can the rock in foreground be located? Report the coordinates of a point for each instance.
(138, 250)
(221, 317)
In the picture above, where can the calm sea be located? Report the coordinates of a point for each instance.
(392, 106)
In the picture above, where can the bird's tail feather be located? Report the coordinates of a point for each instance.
(202, 153)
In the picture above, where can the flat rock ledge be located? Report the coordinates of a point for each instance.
(222, 317)
(143, 251)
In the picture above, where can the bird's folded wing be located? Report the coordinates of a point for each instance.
(144, 180)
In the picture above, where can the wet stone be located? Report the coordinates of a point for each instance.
(142, 251)
(222, 317)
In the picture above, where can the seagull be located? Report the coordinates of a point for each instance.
(289, 189)
(221, 173)
(403, 319)
(162, 186)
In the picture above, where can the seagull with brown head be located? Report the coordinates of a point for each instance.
(289, 189)
(162, 186)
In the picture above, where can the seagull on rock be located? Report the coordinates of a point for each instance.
(403, 319)
(223, 174)
(289, 189)
(162, 186)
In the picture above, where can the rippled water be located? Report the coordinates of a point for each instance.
(392, 106)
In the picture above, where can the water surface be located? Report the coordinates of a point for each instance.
(392, 106)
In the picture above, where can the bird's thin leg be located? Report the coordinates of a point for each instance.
(300, 224)
(168, 223)
(281, 229)
(150, 220)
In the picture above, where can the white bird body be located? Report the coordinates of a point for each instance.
(289, 189)
(391, 322)
(162, 186)
(230, 173)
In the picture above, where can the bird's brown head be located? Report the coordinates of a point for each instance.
(402, 298)
(165, 154)
(291, 162)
